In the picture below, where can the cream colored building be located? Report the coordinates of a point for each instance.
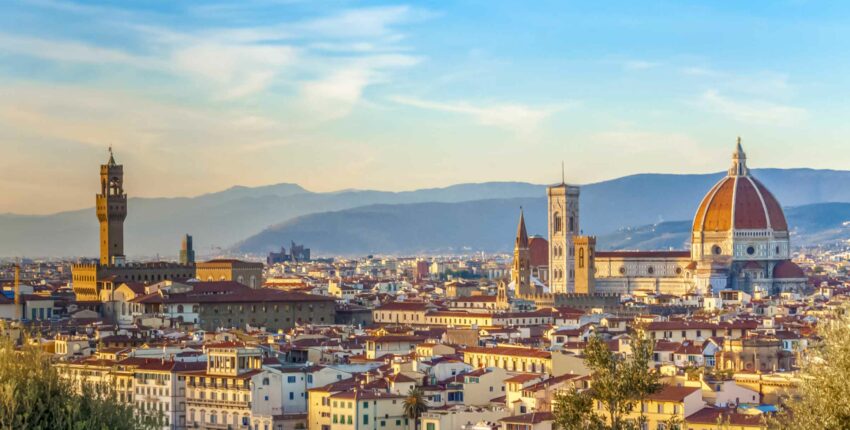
(226, 394)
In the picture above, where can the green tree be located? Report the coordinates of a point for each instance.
(619, 383)
(33, 396)
(414, 405)
(820, 402)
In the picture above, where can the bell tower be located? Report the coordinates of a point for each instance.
(563, 226)
(521, 270)
(111, 212)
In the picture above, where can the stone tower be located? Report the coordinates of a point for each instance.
(502, 302)
(521, 270)
(187, 252)
(111, 212)
(563, 225)
(585, 271)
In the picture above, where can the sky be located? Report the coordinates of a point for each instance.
(196, 97)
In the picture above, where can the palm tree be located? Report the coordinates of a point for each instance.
(414, 406)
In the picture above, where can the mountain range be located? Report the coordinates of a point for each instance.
(464, 217)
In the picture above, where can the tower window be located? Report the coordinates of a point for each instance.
(581, 258)
(556, 222)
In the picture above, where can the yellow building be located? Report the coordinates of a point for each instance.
(367, 409)
(671, 405)
(319, 403)
(243, 272)
(512, 359)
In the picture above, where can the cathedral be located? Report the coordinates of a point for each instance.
(739, 241)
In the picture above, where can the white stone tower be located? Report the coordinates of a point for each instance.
(563, 222)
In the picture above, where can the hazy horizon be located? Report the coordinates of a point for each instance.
(407, 95)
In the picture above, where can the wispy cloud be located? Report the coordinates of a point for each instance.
(751, 111)
(640, 65)
(75, 52)
(516, 117)
(329, 59)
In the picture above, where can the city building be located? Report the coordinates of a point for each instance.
(89, 279)
(243, 272)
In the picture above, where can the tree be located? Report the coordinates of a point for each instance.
(619, 383)
(33, 396)
(821, 399)
(414, 405)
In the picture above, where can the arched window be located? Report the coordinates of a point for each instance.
(581, 258)
(556, 222)
(180, 309)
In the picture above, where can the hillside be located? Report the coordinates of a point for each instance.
(219, 220)
(490, 225)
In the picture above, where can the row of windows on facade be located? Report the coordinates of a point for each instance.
(348, 419)
(299, 320)
(559, 273)
(558, 251)
(557, 223)
(650, 270)
(263, 308)
(751, 250)
(215, 382)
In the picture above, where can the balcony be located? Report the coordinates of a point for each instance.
(224, 403)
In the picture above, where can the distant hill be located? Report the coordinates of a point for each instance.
(490, 225)
(220, 220)
(811, 224)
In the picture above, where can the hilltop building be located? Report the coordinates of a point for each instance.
(297, 253)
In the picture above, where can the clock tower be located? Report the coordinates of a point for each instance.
(111, 212)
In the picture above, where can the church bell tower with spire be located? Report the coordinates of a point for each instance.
(521, 270)
(111, 212)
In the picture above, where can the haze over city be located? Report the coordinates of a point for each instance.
(199, 97)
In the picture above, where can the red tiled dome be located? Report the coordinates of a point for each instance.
(788, 270)
(538, 250)
(739, 202)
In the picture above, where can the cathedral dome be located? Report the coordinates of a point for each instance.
(739, 202)
(788, 270)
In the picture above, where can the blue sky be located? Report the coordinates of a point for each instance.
(200, 96)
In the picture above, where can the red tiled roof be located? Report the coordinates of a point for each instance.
(712, 416)
(669, 393)
(532, 418)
